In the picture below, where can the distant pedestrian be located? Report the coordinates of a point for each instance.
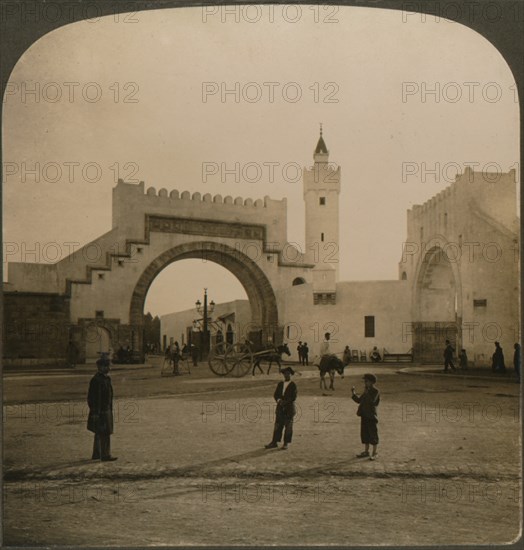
(497, 364)
(167, 355)
(346, 358)
(517, 358)
(375, 355)
(285, 395)
(305, 354)
(194, 355)
(72, 354)
(463, 359)
(100, 402)
(176, 355)
(367, 410)
(300, 352)
(448, 357)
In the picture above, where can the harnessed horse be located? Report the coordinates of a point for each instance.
(270, 355)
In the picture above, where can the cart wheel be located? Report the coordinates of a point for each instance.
(240, 359)
(218, 359)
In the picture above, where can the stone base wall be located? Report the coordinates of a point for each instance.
(38, 331)
(36, 326)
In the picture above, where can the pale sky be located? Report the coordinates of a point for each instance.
(365, 59)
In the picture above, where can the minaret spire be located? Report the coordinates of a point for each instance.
(321, 152)
(321, 197)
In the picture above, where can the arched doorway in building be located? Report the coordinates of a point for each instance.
(98, 340)
(437, 306)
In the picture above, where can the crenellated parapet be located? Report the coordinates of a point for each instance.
(207, 197)
(175, 194)
(489, 193)
(476, 214)
(132, 202)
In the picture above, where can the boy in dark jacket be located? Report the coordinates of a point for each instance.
(367, 410)
(285, 395)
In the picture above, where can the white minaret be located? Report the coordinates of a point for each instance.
(321, 191)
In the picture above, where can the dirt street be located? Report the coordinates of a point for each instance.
(192, 469)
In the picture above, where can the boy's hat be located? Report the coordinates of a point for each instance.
(288, 369)
(371, 377)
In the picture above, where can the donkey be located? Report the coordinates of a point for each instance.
(328, 365)
(274, 354)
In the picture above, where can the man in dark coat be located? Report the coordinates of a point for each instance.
(448, 357)
(72, 354)
(100, 419)
(300, 353)
(517, 360)
(498, 364)
(305, 354)
(285, 395)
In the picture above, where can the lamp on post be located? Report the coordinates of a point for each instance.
(205, 311)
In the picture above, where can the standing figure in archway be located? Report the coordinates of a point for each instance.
(498, 364)
(448, 357)
(176, 355)
(72, 354)
(194, 354)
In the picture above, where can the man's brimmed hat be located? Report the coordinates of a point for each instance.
(104, 360)
(371, 377)
(288, 369)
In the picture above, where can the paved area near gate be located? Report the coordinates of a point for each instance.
(192, 469)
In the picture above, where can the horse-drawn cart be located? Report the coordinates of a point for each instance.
(230, 359)
(238, 359)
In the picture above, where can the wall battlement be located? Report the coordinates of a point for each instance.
(491, 183)
(175, 194)
(132, 202)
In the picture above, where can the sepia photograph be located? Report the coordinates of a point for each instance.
(261, 274)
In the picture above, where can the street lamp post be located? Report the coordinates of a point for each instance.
(206, 310)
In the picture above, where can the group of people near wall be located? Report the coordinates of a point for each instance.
(374, 355)
(497, 359)
(303, 354)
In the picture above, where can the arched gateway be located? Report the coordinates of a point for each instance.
(437, 303)
(264, 312)
(104, 284)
